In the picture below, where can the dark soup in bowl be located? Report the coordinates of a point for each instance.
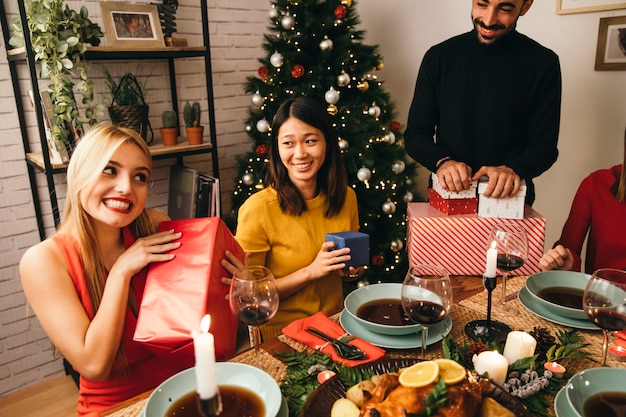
(387, 311)
(563, 296)
(236, 402)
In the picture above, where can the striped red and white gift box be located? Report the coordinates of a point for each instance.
(459, 242)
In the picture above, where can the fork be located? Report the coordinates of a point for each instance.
(344, 350)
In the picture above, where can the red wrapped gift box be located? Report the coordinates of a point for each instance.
(178, 293)
(459, 242)
(452, 205)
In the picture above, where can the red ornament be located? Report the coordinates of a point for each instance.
(261, 150)
(263, 72)
(395, 125)
(341, 11)
(297, 71)
(378, 260)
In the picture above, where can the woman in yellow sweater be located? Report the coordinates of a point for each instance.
(284, 225)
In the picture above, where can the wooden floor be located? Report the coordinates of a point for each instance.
(55, 397)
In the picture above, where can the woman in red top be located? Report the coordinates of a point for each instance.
(85, 282)
(599, 211)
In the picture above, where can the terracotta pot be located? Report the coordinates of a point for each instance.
(169, 135)
(194, 135)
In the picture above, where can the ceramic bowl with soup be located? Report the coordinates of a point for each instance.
(561, 292)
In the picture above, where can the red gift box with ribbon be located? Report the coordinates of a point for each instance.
(178, 293)
(458, 242)
(452, 205)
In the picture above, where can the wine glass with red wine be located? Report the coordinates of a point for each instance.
(426, 297)
(511, 242)
(253, 299)
(604, 302)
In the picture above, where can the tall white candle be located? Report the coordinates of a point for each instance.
(492, 261)
(204, 348)
(493, 364)
(519, 345)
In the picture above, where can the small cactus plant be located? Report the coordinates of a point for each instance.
(191, 114)
(169, 118)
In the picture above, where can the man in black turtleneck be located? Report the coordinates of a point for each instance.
(487, 103)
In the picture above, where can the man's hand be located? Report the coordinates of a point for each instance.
(454, 176)
(503, 181)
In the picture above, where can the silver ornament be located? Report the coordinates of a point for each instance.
(288, 22)
(326, 44)
(343, 79)
(408, 197)
(331, 96)
(398, 167)
(396, 245)
(374, 111)
(276, 60)
(343, 144)
(389, 207)
(273, 12)
(262, 126)
(389, 138)
(247, 179)
(258, 100)
(364, 174)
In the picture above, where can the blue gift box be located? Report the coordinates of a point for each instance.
(359, 244)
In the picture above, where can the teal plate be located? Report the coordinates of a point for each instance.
(530, 304)
(561, 405)
(407, 341)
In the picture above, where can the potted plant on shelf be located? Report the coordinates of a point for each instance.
(195, 131)
(59, 36)
(128, 106)
(169, 130)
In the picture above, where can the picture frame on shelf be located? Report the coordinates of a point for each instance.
(586, 6)
(611, 48)
(131, 25)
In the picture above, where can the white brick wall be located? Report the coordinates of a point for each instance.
(236, 34)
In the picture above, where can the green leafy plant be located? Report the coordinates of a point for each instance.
(59, 37)
(191, 114)
(127, 91)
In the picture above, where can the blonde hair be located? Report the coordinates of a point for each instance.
(90, 157)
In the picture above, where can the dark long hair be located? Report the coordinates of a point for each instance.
(331, 178)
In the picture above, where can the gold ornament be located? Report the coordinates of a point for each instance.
(332, 110)
(363, 86)
(380, 65)
(347, 3)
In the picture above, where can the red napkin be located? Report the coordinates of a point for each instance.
(296, 330)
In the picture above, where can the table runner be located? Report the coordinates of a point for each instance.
(473, 308)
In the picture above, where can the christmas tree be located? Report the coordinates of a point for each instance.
(314, 49)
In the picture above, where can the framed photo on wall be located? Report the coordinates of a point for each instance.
(131, 25)
(584, 6)
(611, 49)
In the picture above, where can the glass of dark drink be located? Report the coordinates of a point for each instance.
(253, 299)
(511, 242)
(426, 297)
(604, 302)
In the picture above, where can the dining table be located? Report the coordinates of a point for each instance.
(470, 303)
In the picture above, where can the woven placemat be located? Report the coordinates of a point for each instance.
(526, 320)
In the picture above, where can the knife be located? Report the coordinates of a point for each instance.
(344, 349)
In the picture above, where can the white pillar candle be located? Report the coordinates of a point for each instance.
(493, 364)
(519, 345)
(204, 348)
(492, 261)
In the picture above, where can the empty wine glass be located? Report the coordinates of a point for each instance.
(426, 297)
(253, 299)
(511, 242)
(604, 301)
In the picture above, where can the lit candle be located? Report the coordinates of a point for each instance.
(618, 352)
(493, 364)
(492, 261)
(204, 348)
(519, 345)
(556, 369)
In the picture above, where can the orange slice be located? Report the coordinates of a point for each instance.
(419, 375)
(451, 371)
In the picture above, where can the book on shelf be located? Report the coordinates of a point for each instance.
(59, 154)
(192, 194)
